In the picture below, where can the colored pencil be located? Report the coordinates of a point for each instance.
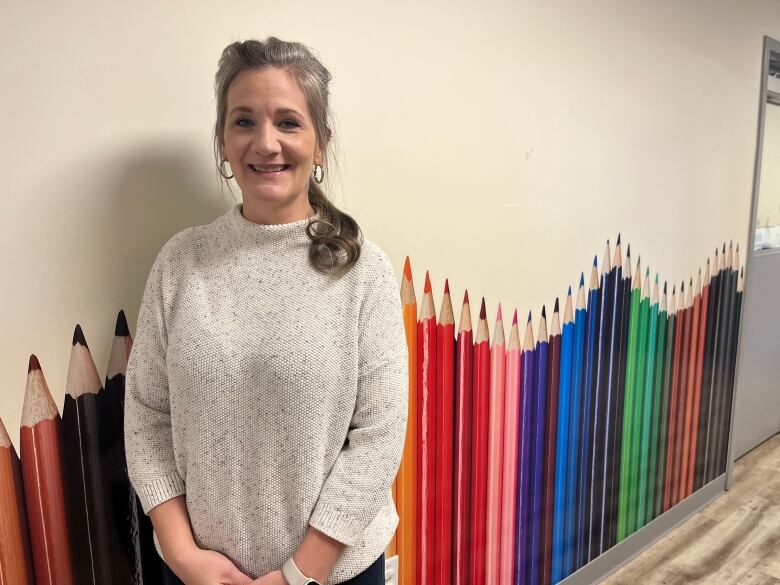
(624, 523)
(537, 460)
(407, 473)
(658, 385)
(40, 454)
(511, 443)
(495, 453)
(134, 558)
(426, 435)
(525, 457)
(82, 455)
(665, 415)
(614, 404)
(562, 439)
(695, 454)
(15, 554)
(682, 395)
(639, 394)
(586, 437)
(648, 414)
(445, 432)
(736, 308)
(577, 383)
(674, 402)
(550, 443)
(479, 462)
(715, 374)
(691, 404)
(705, 412)
(599, 441)
(463, 441)
(726, 368)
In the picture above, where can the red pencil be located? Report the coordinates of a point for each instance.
(445, 415)
(692, 404)
(426, 435)
(480, 442)
(704, 301)
(15, 555)
(461, 529)
(40, 455)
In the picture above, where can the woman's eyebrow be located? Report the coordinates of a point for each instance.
(278, 110)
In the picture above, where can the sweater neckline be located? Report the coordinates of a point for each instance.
(276, 231)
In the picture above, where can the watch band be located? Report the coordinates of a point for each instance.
(294, 576)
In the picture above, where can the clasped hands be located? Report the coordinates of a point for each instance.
(209, 567)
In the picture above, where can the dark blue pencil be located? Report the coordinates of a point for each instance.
(522, 524)
(537, 483)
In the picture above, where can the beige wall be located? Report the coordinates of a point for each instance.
(499, 144)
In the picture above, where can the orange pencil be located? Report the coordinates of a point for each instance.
(461, 521)
(426, 435)
(42, 472)
(445, 431)
(511, 440)
(15, 555)
(493, 534)
(407, 472)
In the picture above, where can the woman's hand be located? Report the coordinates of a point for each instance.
(208, 567)
(272, 578)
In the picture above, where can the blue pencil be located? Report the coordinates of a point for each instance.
(537, 483)
(522, 524)
(562, 446)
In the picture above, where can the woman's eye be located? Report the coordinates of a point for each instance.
(293, 122)
(238, 122)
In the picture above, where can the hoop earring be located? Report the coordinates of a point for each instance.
(319, 174)
(222, 170)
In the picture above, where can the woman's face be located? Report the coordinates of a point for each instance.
(267, 126)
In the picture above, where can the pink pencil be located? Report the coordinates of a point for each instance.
(509, 466)
(495, 452)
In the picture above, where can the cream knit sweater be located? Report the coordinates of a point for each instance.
(273, 396)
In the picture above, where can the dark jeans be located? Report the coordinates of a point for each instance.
(373, 575)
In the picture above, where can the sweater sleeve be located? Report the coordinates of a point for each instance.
(357, 486)
(151, 465)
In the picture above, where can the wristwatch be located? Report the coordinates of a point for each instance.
(294, 576)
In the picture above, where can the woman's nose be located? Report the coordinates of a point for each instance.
(265, 140)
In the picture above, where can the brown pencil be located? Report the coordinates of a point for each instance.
(15, 556)
(40, 457)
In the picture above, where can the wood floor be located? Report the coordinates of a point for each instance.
(733, 541)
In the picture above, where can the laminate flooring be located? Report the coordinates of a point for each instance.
(733, 541)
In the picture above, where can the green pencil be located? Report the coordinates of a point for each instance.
(656, 408)
(647, 407)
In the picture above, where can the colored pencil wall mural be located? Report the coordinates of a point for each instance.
(527, 454)
(542, 455)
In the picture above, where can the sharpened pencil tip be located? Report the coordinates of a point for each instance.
(618, 240)
(595, 261)
(544, 312)
(582, 279)
(78, 337)
(529, 316)
(427, 287)
(407, 269)
(447, 285)
(514, 318)
(482, 311)
(499, 316)
(466, 297)
(556, 303)
(34, 364)
(121, 329)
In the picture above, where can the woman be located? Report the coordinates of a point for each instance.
(266, 392)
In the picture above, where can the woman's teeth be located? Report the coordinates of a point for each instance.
(268, 169)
